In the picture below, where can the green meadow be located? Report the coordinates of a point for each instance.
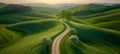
(94, 28)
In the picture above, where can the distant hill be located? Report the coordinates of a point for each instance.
(47, 10)
(88, 9)
(35, 5)
(13, 8)
(94, 28)
(64, 5)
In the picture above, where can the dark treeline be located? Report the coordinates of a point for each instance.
(13, 8)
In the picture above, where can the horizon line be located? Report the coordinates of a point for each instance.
(64, 3)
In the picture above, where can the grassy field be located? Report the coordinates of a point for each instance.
(34, 32)
(35, 14)
(8, 36)
(110, 25)
(96, 33)
(33, 44)
(109, 20)
(104, 18)
(29, 30)
(101, 14)
(92, 40)
(46, 10)
(33, 27)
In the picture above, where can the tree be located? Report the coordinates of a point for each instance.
(66, 15)
(46, 41)
(73, 31)
(69, 16)
(63, 13)
(74, 39)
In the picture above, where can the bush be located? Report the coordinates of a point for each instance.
(46, 41)
(74, 39)
(73, 31)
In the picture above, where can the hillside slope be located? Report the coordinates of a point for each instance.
(91, 40)
(110, 25)
(33, 42)
(105, 18)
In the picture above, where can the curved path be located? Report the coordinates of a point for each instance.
(56, 42)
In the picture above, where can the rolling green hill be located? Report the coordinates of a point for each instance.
(104, 18)
(109, 20)
(33, 27)
(98, 14)
(8, 36)
(96, 26)
(31, 42)
(86, 11)
(35, 14)
(110, 25)
(14, 18)
(26, 16)
(92, 40)
(46, 10)
(97, 33)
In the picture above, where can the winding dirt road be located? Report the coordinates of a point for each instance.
(56, 42)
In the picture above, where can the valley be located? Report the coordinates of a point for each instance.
(66, 29)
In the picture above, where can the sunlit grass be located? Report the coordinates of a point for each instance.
(93, 40)
(32, 44)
